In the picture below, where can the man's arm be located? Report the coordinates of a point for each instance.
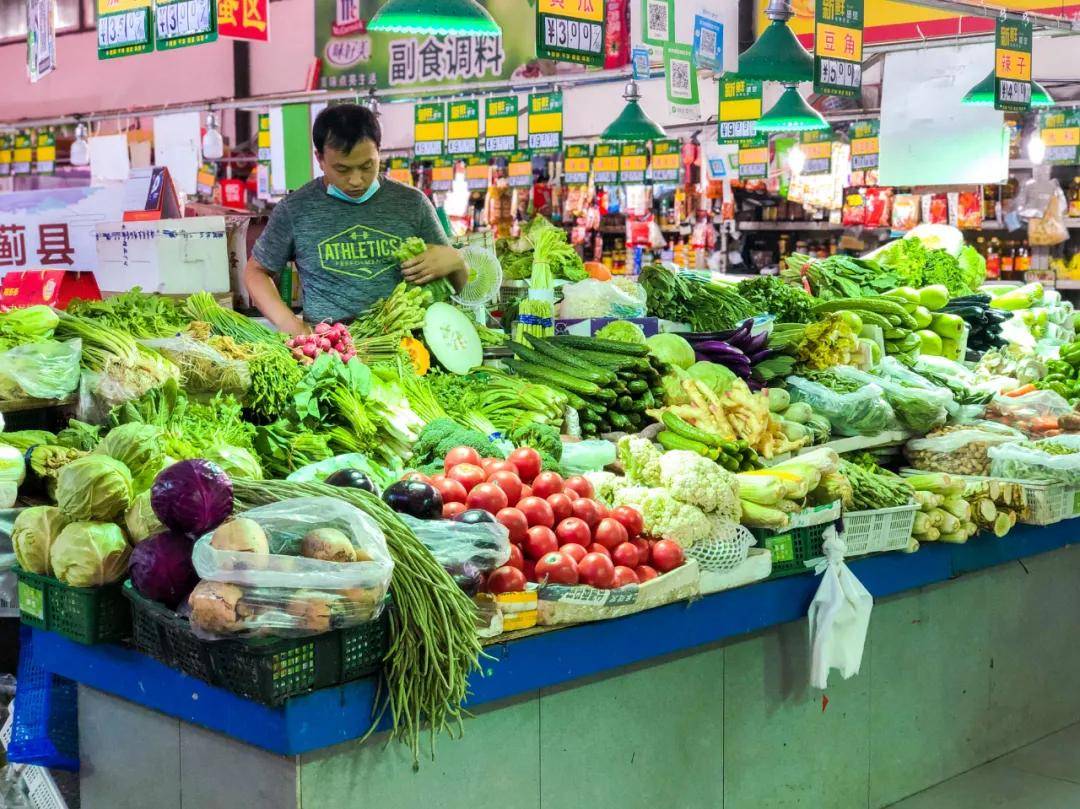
(438, 261)
(267, 299)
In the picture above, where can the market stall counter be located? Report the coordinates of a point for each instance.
(274, 746)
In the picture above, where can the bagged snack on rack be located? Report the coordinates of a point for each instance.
(298, 567)
(878, 207)
(1050, 459)
(905, 211)
(968, 209)
(935, 209)
(854, 212)
(958, 450)
(862, 412)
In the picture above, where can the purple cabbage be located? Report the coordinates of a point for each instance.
(192, 497)
(161, 568)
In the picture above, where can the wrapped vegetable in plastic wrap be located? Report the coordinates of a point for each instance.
(861, 412)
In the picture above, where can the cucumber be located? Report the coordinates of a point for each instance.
(605, 346)
(638, 386)
(551, 376)
(562, 360)
(619, 421)
(681, 427)
(670, 440)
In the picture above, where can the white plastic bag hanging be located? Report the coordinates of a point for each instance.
(839, 616)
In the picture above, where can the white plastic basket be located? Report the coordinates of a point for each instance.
(1045, 502)
(44, 793)
(877, 530)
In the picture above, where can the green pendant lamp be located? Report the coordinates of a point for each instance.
(982, 94)
(791, 113)
(458, 17)
(633, 124)
(777, 55)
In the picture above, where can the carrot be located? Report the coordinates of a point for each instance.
(1042, 424)
(1021, 390)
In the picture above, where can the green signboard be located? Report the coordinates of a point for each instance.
(577, 160)
(606, 163)
(817, 146)
(1012, 65)
(681, 80)
(500, 124)
(45, 152)
(838, 35)
(124, 27)
(545, 122)
(180, 23)
(571, 31)
(463, 127)
(633, 161)
(865, 148)
(429, 129)
(738, 110)
(666, 158)
(519, 169)
(1060, 131)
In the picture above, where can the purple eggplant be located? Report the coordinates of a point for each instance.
(761, 356)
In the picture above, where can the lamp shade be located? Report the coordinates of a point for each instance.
(982, 94)
(777, 56)
(633, 124)
(791, 113)
(462, 17)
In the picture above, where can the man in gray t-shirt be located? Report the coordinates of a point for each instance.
(342, 230)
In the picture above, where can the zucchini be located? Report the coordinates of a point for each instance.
(554, 377)
(605, 346)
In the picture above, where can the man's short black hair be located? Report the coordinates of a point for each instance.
(342, 126)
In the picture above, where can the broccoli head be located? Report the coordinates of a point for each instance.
(442, 435)
(544, 438)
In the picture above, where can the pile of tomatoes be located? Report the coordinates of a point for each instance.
(558, 533)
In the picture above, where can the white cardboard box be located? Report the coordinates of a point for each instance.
(170, 256)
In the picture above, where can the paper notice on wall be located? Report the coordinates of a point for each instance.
(928, 136)
(177, 144)
(108, 159)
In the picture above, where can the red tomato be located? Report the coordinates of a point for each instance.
(667, 555)
(596, 570)
(487, 496)
(526, 490)
(517, 558)
(571, 494)
(499, 465)
(580, 485)
(485, 463)
(509, 482)
(644, 550)
(631, 519)
(506, 579)
(574, 551)
(527, 460)
(603, 509)
(436, 479)
(586, 509)
(537, 511)
(451, 510)
(573, 530)
(451, 490)
(530, 570)
(467, 474)
(515, 523)
(644, 573)
(596, 547)
(557, 568)
(460, 455)
(417, 476)
(547, 483)
(625, 554)
(560, 506)
(624, 576)
(540, 540)
(610, 533)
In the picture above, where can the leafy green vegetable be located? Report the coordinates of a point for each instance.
(79, 435)
(972, 267)
(917, 266)
(686, 299)
(274, 377)
(140, 448)
(441, 289)
(140, 314)
(622, 331)
(26, 325)
(770, 295)
(839, 276)
(516, 255)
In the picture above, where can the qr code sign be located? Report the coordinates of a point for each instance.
(658, 19)
(708, 42)
(680, 78)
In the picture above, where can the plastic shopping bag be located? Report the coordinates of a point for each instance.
(45, 370)
(839, 616)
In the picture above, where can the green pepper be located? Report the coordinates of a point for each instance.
(1071, 354)
(1055, 377)
(1060, 367)
(1059, 388)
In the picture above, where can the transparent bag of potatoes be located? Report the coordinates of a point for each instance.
(298, 567)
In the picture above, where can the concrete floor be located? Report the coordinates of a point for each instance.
(1042, 775)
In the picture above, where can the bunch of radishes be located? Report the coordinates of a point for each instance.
(327, 338)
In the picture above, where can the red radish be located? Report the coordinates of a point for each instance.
(574, 551)
(323, 328)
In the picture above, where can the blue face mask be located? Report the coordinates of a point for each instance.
(337, 193)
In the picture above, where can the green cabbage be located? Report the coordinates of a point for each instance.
(94, 487)
(622, 331)
(33, 534)
(139, 447)
(140, 520)
(236, 461)
(90, 554)
(672, 349)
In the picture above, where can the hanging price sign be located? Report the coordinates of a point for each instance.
(500, 124)
(124, 28)
(464, 126)
(519, 169)
(180, 23)
(45, 152)
(739, 109)
(1012, 65)
(817, 146)
(666, 158)
(400, 169)
(442, 174)
(633, 160)
(571, 31)
(865, 149)
(838, 40)
(429, 129)
(1060, 131)
(576, 164)
(477, 169)
(605, 165)
(545, 122)
(754, 161)
(7, 143)
(22, 156)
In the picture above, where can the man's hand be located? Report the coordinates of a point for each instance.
(438, 261)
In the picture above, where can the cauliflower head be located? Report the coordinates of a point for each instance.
(666, 517)
(640, 459)
(700, 482)
(605, 485)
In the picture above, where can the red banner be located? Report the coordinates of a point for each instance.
(244, 19)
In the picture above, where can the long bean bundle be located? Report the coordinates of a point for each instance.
(202, 306)
(434, 646)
